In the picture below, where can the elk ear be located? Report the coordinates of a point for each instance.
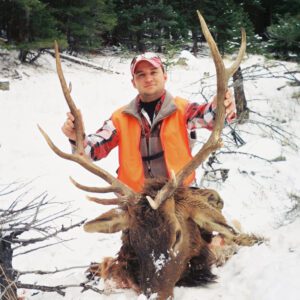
(210, 219)
(112, 221)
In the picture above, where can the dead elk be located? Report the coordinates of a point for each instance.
(167, 229)
(168, 246)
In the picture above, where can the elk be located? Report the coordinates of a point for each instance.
(168, 227)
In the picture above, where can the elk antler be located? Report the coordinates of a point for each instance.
(214, 142)
(79, 155)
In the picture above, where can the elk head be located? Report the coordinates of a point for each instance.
(163, 224)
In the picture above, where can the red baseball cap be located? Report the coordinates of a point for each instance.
(150, 57)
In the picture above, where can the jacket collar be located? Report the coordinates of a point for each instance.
(167, 108)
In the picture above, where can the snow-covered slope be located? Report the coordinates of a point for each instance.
(262, 189)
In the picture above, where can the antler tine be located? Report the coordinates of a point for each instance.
(67, 93)
(242, 50)
(116, 185)
(109, 189)
(214, 142)
(115, 201)
(79, 156)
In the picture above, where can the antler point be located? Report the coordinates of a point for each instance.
(152, 203)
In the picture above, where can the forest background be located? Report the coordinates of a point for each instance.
(262, 145)
(273, 27)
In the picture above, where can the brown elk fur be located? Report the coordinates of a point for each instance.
(146, 261)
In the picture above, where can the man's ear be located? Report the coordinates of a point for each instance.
(165, 75)
(133, 83)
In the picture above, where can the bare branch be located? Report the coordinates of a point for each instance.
(26, 242)
(38, 248)
(60, 289)
(41, 272)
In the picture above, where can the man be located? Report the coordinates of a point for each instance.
(152, 131)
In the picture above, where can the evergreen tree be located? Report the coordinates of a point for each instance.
(225, 20)
(28, 25)
(255, 12)
(145, 26)
(85, 23)
(267, 12)
(285, 37)
(188, 21)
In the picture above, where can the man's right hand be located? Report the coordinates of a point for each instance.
(68, 127)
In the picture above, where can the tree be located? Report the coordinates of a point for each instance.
(145, 26)
(28, 24)
(284, 37)
(84, 23)
(239, 95)
(264, 13)
(226, 19)
(188, 20)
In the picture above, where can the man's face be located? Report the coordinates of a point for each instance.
(149, 81)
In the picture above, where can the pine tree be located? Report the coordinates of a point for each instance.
(284, 37)
(85, 23)
(188, 20)
(225, 20)
(145, 25)
(28, 25)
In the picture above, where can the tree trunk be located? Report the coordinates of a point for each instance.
(139, 42)
(23, 55)
(239, 95)
(195, 42)
(8, 288)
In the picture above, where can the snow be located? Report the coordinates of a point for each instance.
(160, 262)
(262, 192)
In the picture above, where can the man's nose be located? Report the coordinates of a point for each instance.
(148, 77)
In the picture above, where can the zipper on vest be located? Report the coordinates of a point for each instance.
(148, 161)
(147, 147)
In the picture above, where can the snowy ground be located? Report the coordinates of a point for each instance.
(264, 196)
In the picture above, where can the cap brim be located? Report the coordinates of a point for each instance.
(153, 63)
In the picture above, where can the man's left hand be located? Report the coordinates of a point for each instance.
(230, 107)
(229, 103)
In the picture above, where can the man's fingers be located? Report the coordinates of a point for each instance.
(228, 102)
(231, 116)
(230, 108)
(70, 116)
(228, 94)
(69, 123)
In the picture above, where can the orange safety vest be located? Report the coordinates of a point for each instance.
(174, 139)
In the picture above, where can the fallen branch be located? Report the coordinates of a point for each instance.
(60, 289)
(82, 62)
(245, 153)
(41, 272)
(41, 247)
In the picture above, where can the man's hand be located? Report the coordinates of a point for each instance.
(68, 127)
(229, 103)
